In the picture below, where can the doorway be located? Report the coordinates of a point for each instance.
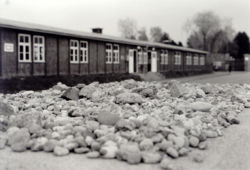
(153, 61)
(132, 61)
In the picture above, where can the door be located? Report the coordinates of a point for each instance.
(149, 61)
(154, 62)
(131, 61)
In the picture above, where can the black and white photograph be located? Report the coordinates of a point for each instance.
(124, 85)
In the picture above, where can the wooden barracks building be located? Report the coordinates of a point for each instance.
(36, 50)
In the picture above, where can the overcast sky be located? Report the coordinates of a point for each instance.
(171, 15)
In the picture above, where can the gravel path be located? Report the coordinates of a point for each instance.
(230, 152)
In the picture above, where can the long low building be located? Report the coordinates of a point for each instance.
(37, 50)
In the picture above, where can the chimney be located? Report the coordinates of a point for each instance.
(97, 30)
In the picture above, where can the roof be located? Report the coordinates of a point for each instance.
(6, 23)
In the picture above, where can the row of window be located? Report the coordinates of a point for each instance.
(196, 60)
(142, 57)
(112, 53)
(24, 48)
(79, 52)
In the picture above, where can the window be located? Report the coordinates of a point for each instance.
(140, 57)
(83, 52)
(177, 58)
(38, 49)
(166, 57)
(108, 53)
(196, 60)
(202, 60)
(162, 57)
(188, 59)
(74, 51)
(116, 53)
(145, 55)
(24, 50)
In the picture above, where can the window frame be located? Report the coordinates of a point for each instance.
(189, 59)
(140, 57)
(83, 50)
(196, 60)
(109, 57)
(116, 54)
(39, 45)
(177, 58)
(24, 45)
(75, 56)
(202, 60)
(166, 57)
(162, 57)
(145, 57)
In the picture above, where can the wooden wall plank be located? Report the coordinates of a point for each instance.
(38, 69)
(63, 56)
(1, 45)
(92, 57)
(101, 58)
(9, 58)
(51, 55)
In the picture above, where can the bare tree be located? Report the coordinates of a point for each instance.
(142, 34)
(156, 34)
(208, 31)
(128, 28)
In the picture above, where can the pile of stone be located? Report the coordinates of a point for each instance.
(150, 122)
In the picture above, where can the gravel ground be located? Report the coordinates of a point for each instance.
(230, 152)
(167, 123)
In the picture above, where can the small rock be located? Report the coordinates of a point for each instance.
(97, 96)
(60, 86)
(176, 89)
(6, 109)
(89, 140)
(146, 144)
(109, 149)
(39, 144)
(129, 84)
(179, 141)
(151, 157)
(203, 145)
(198, 157)
(183, 151)
(200, 93)
(130, 98)
(165, 144)
(19, 139)
(166, 164)
(193, 141)
(49, 145)
(87, 91)
(109, 116)
(247, 105)
(81, 150)
(211, 134)
(3, 142)
(95, 146)
(130, 152)
(71, 94)
(93, 154)
(172, 152)
(92, 125)
(123, 124)
(60, 151)
(201, 106)
(148, 92)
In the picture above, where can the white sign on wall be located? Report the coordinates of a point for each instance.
(8, 47)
